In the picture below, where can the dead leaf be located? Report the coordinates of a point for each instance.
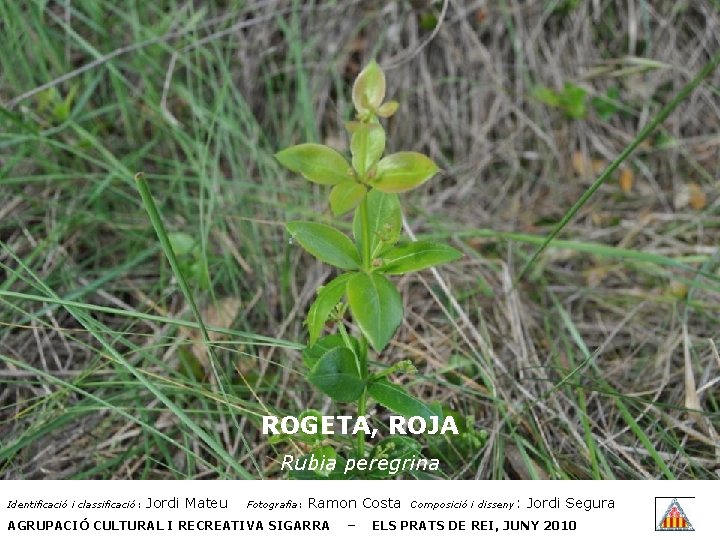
(627, 179)
(594, 276)
(581, 164)
(525, 467)
(681, 198)
(692, 400)
(698, 199)
(359, 44)
(690, 195)
(602, 219)
(678, 289)
(219, 315)
(598, 165)
(563, 361)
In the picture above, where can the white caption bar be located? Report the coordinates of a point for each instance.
(356, 509)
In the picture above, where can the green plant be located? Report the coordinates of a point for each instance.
(187, 251)
(565, 7)
(50, 102)
(570, 100)
(609, 104)
(338, 364)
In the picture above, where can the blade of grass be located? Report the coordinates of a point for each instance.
(9, 448)
(162, 235)
(91, 325)
(590, 359)
(260, 340)
(598, 250)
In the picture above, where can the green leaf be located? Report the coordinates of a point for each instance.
(403, 171)
(428, 21)
(457, 449)
(415, 256)
(324, 453)
(547, 96)
(304, 472)
(607, 105)
(384, 218)
(198, 271)
(394, 447)
(397, 447)
(311, 438)
(376, 306)
(565, 7)
(336, 374)
(367, 146)
(664, 140)
(317, 163)
(328, 297)
(346, 196)
(396, 399)
(181, 243)
(369, 88)
(352, 126)
(312, 354)
(386, 110)
(573, 101)
(326, 243)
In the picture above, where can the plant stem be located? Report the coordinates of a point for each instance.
(362, 400)
(365, 248)
(365, 222)
(361, 434)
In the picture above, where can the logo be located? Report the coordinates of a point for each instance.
(671, 517)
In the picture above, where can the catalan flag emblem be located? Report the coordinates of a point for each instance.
(674, 519)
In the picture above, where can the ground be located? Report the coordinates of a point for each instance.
(597, 359)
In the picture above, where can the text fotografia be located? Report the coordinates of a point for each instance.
(348, 425)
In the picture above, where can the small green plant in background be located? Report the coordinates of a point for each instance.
(570, 100)
(338, 364)
(607, 105)
(565, 7)
(53, 106)
(189, 257)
